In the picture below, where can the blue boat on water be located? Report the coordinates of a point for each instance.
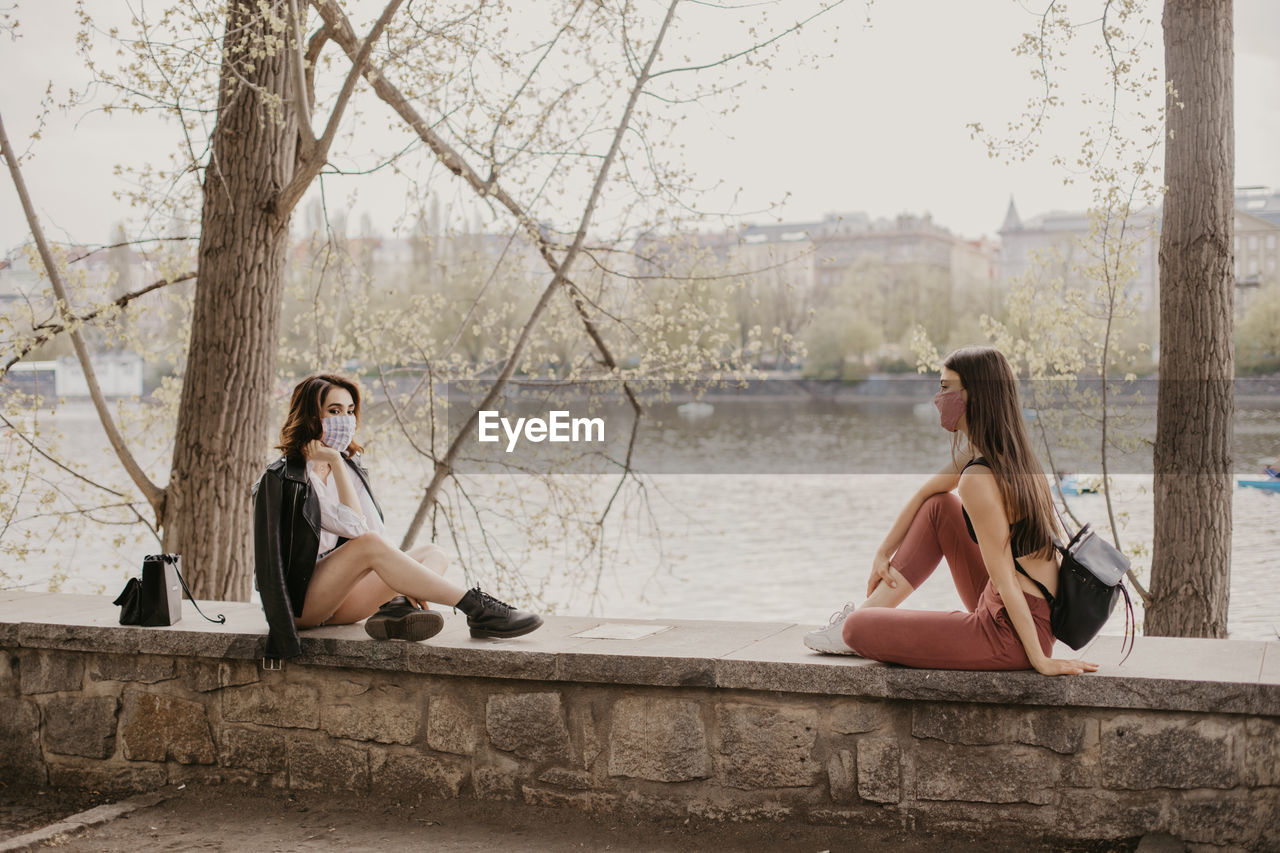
(1071, 485)
(1270, 484)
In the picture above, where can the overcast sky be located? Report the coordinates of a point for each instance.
(879, 127)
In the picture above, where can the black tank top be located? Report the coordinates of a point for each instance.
(1019, 532)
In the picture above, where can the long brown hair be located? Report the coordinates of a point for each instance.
(997, 433)
(305, 410)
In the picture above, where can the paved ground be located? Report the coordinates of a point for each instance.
(22, 810)
(230, 818)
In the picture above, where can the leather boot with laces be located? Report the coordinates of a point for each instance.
(400, 619)
(489, 617)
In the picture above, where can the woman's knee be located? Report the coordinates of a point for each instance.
(856, 630)
(430, 555)
(940, 504)
(371, 544)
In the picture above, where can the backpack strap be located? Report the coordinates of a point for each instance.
(1040, 586)
(1065, 529)
(978, 460)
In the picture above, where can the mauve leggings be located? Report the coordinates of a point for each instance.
(982, 638)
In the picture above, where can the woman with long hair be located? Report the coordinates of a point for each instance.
(996, 532)
(321, 552)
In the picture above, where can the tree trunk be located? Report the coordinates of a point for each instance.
(222, 433)
(1191, 558)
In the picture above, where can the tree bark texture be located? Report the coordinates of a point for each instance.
(1191, 556)
(223, 422)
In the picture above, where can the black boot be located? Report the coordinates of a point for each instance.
(489, 617)
(399, 619)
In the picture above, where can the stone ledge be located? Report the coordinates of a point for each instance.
(1162, 674)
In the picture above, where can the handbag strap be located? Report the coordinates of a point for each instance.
(1130, 623)
(221, 620)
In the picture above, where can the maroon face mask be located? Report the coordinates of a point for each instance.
(951, 406)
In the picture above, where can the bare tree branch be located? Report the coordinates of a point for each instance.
(314, 46)
(153, 493)
(300, 92)
(43, 454)
(395, 411)
(310, 166)
(124, 243)
(528, 80)
(17, 496)
(557, 280)
(81, 319)
(341, 31)
(754, 48)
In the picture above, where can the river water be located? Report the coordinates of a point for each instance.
(791, 538)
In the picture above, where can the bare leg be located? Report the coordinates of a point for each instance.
(362, 574)
(430, 555)
(888, 596)
(371, 591)
(937, 531)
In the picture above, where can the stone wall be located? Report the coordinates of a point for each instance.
(131, 721)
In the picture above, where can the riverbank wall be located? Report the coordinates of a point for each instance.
(710, 720)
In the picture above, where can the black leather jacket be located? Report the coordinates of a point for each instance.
(286, 540)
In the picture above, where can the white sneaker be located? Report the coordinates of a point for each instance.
(830, 640)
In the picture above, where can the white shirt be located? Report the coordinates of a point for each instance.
(338, 519)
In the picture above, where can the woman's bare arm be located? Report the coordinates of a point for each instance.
(338, 467)
(943, 481)
(346, 489)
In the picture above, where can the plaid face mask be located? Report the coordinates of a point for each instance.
(337, 431)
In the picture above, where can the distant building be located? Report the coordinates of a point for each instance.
(1257, 245)
(1262, 202)
(916, 272)
(1064, 237)
(18, 281)
(21, 282)
(405, 264)
(118, 374)
(783, 256)
(107, 275)
(839, 241)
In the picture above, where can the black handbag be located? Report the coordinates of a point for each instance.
(1090, 582)
(156, 599)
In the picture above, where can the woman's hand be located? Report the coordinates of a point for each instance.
(1057, 666)
(880, 572)
(317, 451)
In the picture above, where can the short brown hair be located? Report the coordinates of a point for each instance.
(303, 421)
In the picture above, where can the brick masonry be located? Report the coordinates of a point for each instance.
(131, 721)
